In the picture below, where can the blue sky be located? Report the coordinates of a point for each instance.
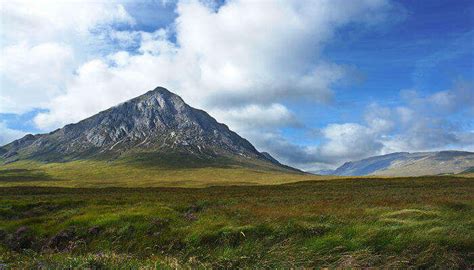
(315, 83)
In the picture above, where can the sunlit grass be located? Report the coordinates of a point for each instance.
(396, 223)
(112, 174)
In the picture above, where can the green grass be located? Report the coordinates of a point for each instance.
(424, 222)
(152, 172)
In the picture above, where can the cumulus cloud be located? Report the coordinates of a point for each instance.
(43, 21)
(284, 150)
(244, 62)
(422, 123)
(348, 141)
(7, 134)
(42, 42)
(459, 98)
(30, 75)
(258, 116)
(244, 55)
(339, 143)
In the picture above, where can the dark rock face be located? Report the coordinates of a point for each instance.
(158, 121)
(270, 158)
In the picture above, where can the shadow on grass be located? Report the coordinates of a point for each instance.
(24, 175)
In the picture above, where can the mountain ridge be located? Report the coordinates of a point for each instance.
(409, 164)
(158, 121)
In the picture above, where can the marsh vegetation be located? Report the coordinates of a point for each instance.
(398, 223)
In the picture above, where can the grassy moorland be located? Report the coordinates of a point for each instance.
(423, 222)
(144, 173)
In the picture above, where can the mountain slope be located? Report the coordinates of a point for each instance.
(409, 164)
(157, 126)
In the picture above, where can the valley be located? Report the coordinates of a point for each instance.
(153, 183)
(91, 173)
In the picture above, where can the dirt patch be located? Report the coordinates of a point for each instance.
(22, 238)
(64, 240)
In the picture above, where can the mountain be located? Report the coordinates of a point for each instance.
(469, 170)
(158, 125)
(323, 172)
(410, 164)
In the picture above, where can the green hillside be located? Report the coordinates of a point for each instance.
(147, 171)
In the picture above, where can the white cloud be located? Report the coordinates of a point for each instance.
(46, 20)
(421, 124)
(348, 141)
(30, 75)
(257, 116)
(379, 119)
(282, 149)
(97, 87)
(42, 42)
(340, 142)
(7, 134)
(248, 53)
(460, 97)
(241, 62)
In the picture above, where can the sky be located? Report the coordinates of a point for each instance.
(314, 83)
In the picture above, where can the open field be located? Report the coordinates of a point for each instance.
(137, 173)
(397, 223)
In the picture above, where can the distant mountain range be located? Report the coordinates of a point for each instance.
(409, 164)
(158, 123)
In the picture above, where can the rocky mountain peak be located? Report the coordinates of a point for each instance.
(161, 97)
(158, 121)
